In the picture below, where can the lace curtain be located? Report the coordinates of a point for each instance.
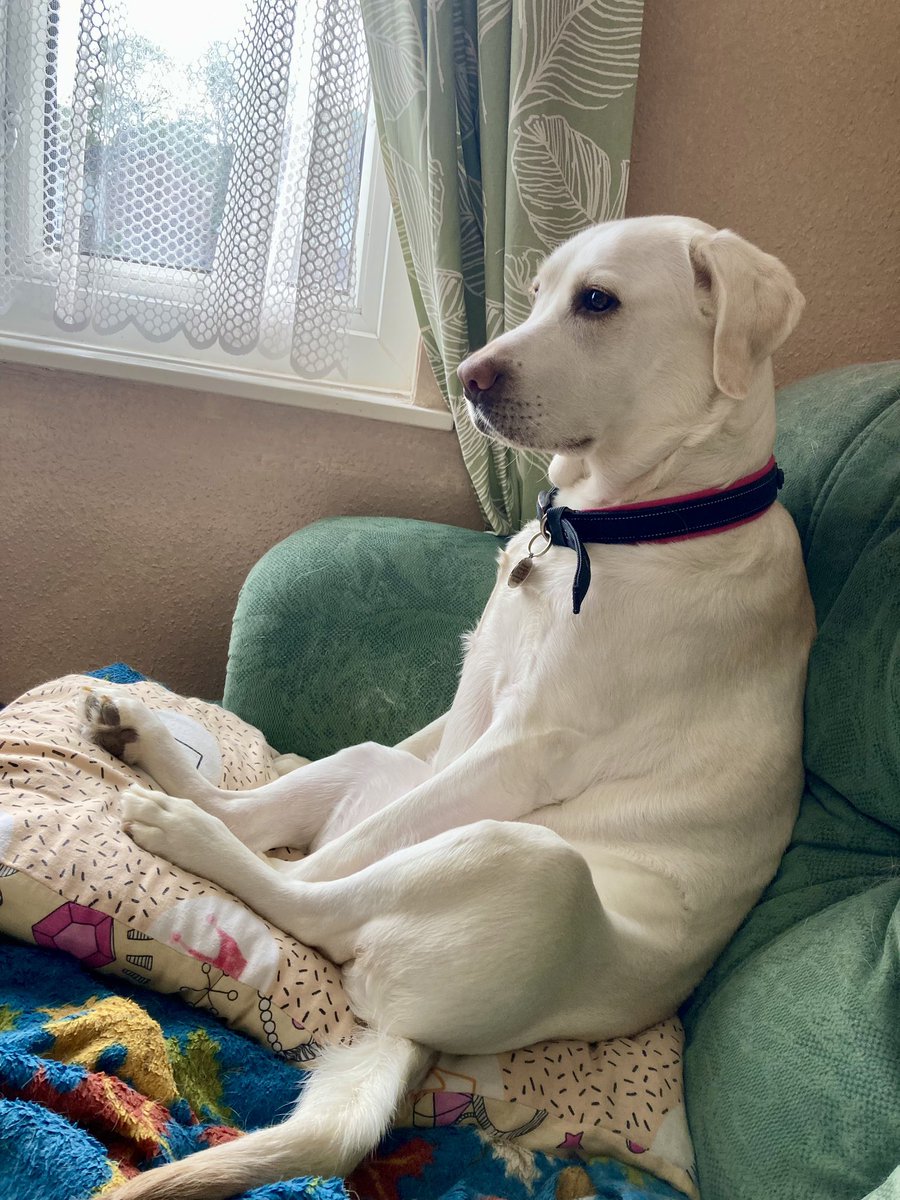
(195, 183)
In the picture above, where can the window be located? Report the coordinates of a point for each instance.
(193, 188)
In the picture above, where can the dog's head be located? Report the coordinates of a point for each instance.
(639, 330)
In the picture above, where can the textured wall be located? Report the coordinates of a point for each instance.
(781, 119)
(130, 514)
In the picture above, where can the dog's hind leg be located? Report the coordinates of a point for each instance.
(430, 937)
(293, 810)
(479, 940)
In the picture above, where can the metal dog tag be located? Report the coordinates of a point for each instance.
(523, 567)
(520, 572)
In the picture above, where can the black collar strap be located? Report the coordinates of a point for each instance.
(663, 521)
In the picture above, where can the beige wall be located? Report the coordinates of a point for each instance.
(129, 514)
(781, 119)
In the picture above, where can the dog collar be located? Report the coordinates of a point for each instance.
(669, 520)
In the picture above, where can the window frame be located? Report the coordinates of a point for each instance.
(383, 337)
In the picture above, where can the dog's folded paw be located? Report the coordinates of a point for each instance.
(115, 722)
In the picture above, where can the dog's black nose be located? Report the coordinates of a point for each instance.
(478, 374)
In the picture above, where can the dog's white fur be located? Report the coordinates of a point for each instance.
(567, 850)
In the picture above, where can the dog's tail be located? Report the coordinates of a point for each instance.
(346, 1106)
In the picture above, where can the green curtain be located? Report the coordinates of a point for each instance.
(505, 127)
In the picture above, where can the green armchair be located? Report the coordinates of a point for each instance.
(350, 630)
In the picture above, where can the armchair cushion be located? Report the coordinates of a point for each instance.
(349, 630)
(792, 1074)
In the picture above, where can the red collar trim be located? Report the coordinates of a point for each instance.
(752, 478)
(671, 519)
(701, 495)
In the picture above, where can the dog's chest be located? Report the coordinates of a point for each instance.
(535, 660)
(529, 631)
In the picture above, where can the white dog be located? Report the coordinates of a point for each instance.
(565, 852)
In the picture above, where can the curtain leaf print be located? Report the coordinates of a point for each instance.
(506, 128)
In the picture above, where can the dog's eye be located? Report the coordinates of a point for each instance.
(595, 300)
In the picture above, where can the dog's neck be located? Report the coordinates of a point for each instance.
(737, 440)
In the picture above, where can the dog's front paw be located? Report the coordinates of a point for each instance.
(177, 830)
(117, 723)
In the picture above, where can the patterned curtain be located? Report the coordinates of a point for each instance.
(505, 127)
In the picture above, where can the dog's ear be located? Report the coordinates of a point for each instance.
(754, 301)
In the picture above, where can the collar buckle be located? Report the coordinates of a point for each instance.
(696, 515)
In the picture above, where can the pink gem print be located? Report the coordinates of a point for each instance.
(82, 932)
(450, 1106)
(229, 958)
(572, 1141)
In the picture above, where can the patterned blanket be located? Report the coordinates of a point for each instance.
(100, 1080)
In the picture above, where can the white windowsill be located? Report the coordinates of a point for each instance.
(323, 396)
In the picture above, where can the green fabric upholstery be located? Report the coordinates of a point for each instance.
(793, 1059)
(349, 630)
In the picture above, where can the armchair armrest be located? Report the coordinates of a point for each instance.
(349, 630)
